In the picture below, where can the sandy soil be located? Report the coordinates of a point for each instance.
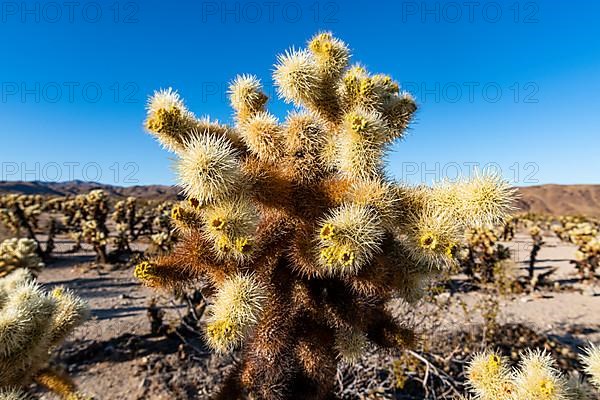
(577, 305)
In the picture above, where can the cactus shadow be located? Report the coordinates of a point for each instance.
(110, 313)
(574, 335)
(568, 281)
(93, 283)
(127, 347)
(69, 260)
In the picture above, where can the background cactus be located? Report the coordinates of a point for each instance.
(536, 236)
(93, 226)
(585, 235)
(20, 214)
(19, 253)
(12, 394)
(295, 227)
(483, 258)
(490, 377)
(509, 228)
(32, 322)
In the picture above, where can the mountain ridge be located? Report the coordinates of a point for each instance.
(159, 192)
(555, 199)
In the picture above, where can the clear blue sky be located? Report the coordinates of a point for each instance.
(510, 83)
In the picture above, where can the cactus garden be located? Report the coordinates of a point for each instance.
(288, 261)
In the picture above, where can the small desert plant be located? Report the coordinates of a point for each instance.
(294, 226)
(32, 322)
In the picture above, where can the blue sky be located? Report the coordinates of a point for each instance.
(508, 85)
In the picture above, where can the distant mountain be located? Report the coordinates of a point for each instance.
(561, 199)
(159, 192)
(545, 199)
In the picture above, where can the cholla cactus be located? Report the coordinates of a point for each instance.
(54, 204)
(159, 218)
(581, 233)
(561, 228)
(295, 227)
(121, 239)
(93, 224)
(19, 212)
(490, 377)
(537, 241)
(585, 235)
(119, 214)
(72, 209)
(32, 322)
(591, 361)
(77, 237)
(484, 256)
(19, 253)
(509, 228)
(13, 394)
(126, 212)
(10, 220)
(587, 257)
(160, 243)
(93, 233)
(162, 216)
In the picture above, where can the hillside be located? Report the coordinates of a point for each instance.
(546, 199)
(159, 192)
(561, 199)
